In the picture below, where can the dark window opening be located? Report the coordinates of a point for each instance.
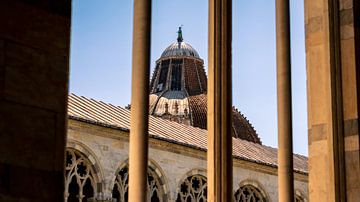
(163, 76)
(176, 75)
(154, 197)
(116, 193)
(73, 191)
(121, 186)
(88, 190)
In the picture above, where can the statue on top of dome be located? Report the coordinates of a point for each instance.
(180, 37)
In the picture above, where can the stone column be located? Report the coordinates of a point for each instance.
(220, 102)
(349, 22)
(332, 52)
(140, 101)
(285, 154)
(34, 73)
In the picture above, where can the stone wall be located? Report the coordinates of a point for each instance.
(34, 57)
(110, 149)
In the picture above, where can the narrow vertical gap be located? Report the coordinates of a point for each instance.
(217, 99)
(356, 15)
(337, 113)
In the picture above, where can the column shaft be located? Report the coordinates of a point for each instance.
(285, 156)
(139, 101)
(220, 102)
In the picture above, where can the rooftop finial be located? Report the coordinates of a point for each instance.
(180, 37)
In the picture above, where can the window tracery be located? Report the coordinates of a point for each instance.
(80, 183)
(154, 189)
(193, 189)
(249, 193)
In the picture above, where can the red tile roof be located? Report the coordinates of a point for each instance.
(104, 114)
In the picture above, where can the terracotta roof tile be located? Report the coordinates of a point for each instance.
(100, 113)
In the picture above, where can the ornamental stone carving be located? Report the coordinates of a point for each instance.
(80, 183)
(193, 189)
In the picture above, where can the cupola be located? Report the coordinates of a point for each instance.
(178, 90)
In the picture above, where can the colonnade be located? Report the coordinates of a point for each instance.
(219, 101)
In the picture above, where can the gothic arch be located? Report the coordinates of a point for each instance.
(250, 188)
(157, 182)
(81, 178)
(89, 154)
(156, 168)
(195, 171)
(192, 186)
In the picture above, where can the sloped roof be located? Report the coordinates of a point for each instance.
(100, 113)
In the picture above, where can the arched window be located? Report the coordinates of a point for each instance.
(193, 189)
(249, 193)
(154, 189)
(80, 183)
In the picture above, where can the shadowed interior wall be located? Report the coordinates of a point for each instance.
(34, 67)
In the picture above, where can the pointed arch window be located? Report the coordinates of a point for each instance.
(193, 189)
(80, 181)
(249, 193)
(154, 189)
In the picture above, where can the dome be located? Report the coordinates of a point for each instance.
(178, 90)
(180, 49)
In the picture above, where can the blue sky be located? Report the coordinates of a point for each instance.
(101, 44)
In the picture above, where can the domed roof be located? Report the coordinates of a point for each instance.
(178, 91)
(181, 49)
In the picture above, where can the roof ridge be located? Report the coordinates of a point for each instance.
(96, 100)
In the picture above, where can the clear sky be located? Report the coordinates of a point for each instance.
(101, 44)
